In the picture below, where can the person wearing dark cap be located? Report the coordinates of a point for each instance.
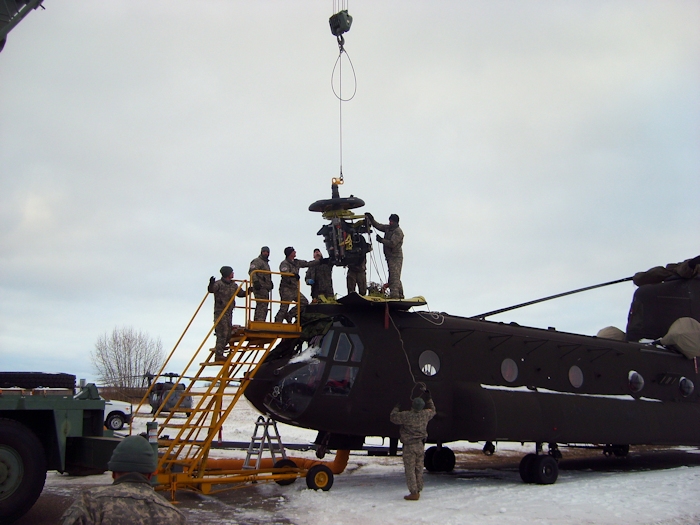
(393, 242)
(130, 499)
(289, 284)
(413, 433)
(262, 282)
(223, 290)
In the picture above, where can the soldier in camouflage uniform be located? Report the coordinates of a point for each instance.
(357, 277)
(320, 278)
(392, 241)
(289, 285)
(262, 282)
(413, 434)
(223, 290)
(130, 500)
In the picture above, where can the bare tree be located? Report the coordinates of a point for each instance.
(123, 357)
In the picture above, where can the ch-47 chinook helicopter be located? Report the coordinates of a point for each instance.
(490, 381)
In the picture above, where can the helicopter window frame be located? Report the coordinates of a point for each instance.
(357, 348)
(509, 370)
(343, 348)
(429, 363)
(326, 344)
(341, 379)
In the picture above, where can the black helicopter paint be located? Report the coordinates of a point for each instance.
(490, 381)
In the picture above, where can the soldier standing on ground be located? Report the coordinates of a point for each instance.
(290, 284)
(262, 282)
(223, 290)
(130, 499)
(392, 241)
(320, 278)
(413, 434)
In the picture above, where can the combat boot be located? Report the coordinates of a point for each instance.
(219, 357)
(413, 496)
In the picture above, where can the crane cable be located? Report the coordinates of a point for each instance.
(340, 23)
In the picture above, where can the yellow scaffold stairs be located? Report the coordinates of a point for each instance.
(187, 433)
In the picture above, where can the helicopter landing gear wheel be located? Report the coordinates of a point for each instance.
(545, 470)
(525, 468)
(489, 449)
(428, 459)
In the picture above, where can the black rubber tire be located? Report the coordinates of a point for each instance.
(489, 448)
(284, 463)
(545, 470)
(319, 477)
(115, 421)
(526, 469)
(428, 459)
(36, 380)
(444, 460)
(22, 470)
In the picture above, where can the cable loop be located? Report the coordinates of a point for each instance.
(339, 96)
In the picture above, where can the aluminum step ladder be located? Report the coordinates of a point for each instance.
(269, 439)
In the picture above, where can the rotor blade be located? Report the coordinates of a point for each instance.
(494, 312)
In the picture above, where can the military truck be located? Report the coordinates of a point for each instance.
(45, 425)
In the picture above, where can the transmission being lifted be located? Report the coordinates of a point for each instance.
(345, 235)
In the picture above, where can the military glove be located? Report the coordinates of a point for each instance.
(296, 276)
(212, 280)
(379, 238)
(271, 286)
(369, 216)
(310, 282)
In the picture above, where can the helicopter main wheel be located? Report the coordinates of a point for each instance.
(545, 470)
(443, 460)
(285, 463)
(428, 459)
(319, 477)
(526, 469)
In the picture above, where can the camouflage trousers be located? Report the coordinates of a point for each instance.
(289, 294)
(359, 279)
(223, 330)
(413, 465)
(395, 286)
(261, 306)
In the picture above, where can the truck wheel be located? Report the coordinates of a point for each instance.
(115, 421)
(22, 469)
(36, 380)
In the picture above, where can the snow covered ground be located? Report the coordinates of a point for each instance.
(650, 487)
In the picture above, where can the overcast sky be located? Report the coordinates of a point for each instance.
(529, 148)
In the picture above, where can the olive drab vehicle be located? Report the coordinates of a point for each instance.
(490, 381)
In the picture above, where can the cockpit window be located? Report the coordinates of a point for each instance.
(340, 380)
(294, 392)
(326, 345)
(342, 350)
(357, 348)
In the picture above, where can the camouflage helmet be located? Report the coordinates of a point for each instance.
(133, 454)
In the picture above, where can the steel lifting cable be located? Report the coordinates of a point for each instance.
(340, 23)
